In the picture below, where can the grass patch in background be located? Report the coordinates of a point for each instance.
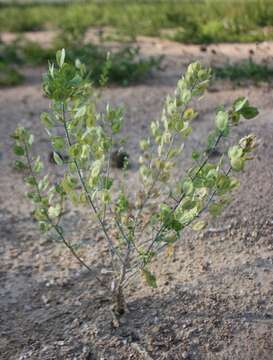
(245, 70)
(9, 75)
(126, 65)
(199, 21)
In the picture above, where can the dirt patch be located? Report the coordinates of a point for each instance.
(214, 299)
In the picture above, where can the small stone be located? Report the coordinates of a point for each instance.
(185, 355)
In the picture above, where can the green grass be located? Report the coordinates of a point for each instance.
(196, 21)
(246, 70)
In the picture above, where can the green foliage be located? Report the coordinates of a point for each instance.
(245, 71)
(122, 67)
(149, 278)
(133, 232)
(186, 21)
(125, 67)
(32, 53)
(9, 75)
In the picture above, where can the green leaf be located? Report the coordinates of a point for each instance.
(85, 151)
(215, 209)
(20, 165)
(165, 210)
(68, 184)
(188, 204)
(54, 211)
(174, 224)
(40, 214)
(122, 203)
(167, 217)
(58, 142)
(237, 164)
(96, 168)
(18, 150)
(81, 111)
(222, 120)
(195, 155)
(30, 180)
(60, 57)
(44, 226)
(240, 103)
(144, 145)
(46, 120)
(116, 125)
(107, 182)
(105, 196)
(211, 139)
(187, 187)
(75, 151)
(34, 196)
(30, 139)
(235, 152)
(57, 158)
(74, 197)
(43, 184)
(223, 183)
(249, 112)
(38, 165)
(199, 225)
(186, 216)
(149, 278)
(237, 161)
(186, 130)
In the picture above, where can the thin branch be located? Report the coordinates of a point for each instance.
(159, 171)
(91, 203)
(163, 227)
(55, 226)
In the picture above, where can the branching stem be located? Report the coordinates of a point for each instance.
(90, 201)
(55, 226)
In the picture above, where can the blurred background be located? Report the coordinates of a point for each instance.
(32, 30)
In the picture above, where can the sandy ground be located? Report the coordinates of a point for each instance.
(214, 299)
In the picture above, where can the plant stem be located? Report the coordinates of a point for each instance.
(56, 227)
(165, 244)
(163, 227)
(91, 203)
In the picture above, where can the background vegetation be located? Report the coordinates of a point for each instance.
(199, 21)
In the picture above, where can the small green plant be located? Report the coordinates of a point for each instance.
(153, 218)
(9, 75)
(126, 65)
(246, 70)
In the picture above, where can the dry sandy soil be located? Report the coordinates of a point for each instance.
(215, 295)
